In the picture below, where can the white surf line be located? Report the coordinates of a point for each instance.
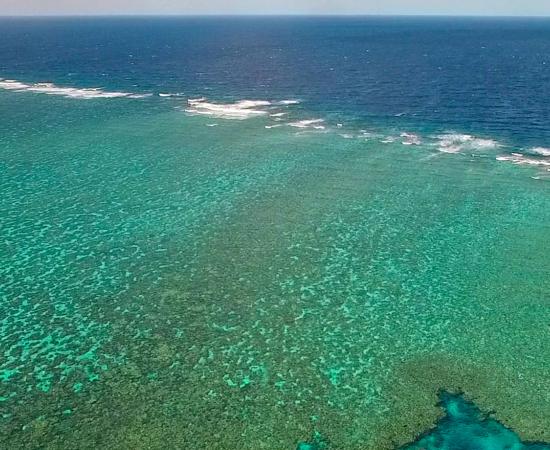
(240, 110)
(310, 123)
(68, 92)
(521, 159)
(540, 151)
(410, 139)
(456, 143)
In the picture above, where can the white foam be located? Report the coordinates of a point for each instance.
(540, 151)
(518, 158)
(288, 102)
(311, 123)
(178, 94)
(410, 139)
(69, 92)
(139, 95)
(252, 103)
(456, 143)
(12, 85)
(369, 135)
(240, 110)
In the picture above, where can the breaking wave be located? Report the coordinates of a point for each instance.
(310, 123)
(243, 109)
(540, 151)
(521, 159)
(410, 139)
(276, 112)
(169, 95)
(456, 143)
(68, 92)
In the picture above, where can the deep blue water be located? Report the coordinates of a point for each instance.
(488, 76)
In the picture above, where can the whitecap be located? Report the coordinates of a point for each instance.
(520, 159)
(13, 85)
(369, 135)
(541, 151)
(139, 95)
(243, 109)
(410, 139)
(288, 102)
(69, 92)
(168, 95)
(455, 143)
(310, 123)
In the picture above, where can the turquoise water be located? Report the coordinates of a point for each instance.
(464, 427)
(172, 277)
(222, 287)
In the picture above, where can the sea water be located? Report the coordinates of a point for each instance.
(245, 233)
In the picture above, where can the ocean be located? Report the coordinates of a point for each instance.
(275, 233)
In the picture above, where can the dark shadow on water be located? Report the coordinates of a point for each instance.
(463, 427)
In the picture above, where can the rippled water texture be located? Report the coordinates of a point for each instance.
(261, 271)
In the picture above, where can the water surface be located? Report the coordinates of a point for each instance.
(310, 268)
